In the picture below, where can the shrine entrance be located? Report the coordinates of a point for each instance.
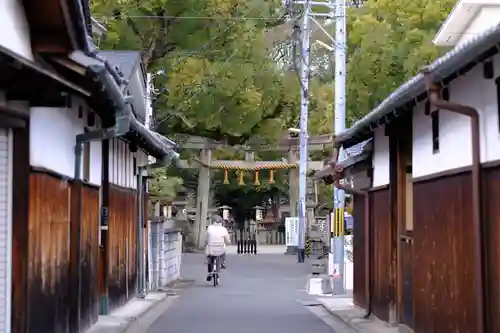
(255, 199)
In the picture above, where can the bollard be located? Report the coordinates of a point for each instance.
(238, 243)
(308, 245)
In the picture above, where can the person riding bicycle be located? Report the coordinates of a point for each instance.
(215, 244)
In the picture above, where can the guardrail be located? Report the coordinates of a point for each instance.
(165, 253)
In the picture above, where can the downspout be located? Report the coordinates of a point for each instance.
(367, 230)
(80, 140)
(434, 91)
(123, 121)
(140, 226)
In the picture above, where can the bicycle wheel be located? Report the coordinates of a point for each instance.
(215, 274)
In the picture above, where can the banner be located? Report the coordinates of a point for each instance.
(292, 231)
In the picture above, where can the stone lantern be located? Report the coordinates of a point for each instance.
(258, 213)
(225, 212)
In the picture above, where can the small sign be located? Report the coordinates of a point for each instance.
(336, 271)
(292, 231)
(104, 216)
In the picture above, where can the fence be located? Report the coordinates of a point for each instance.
(271, 237)
(264, 237)
(165, 253)
(247, 246)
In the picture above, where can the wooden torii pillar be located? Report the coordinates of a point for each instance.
(202, 199)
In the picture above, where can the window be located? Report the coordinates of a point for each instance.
(134, 166)
(80, 112)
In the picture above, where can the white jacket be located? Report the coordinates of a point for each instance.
(217, 239)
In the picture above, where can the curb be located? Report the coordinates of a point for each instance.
(171, 295)
(129, 328)
(338, 317)
(132, 320)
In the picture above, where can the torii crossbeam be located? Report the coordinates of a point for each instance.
(319, 142)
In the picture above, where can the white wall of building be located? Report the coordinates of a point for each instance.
(53, 136)
(454, 130)
(14, 27)
(122, 169)
(380, 158)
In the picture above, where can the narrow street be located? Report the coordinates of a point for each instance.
(260, 293)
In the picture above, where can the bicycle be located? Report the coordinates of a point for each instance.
(215, 274)
(213, 260)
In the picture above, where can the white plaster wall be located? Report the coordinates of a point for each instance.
(454, 130)
(121, 163)
(53, 136)
(380, 158)
(14, 27)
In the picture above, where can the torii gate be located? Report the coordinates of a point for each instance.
(205, 163)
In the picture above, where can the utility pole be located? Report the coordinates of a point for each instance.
(336, 10)
(340, 49)
(304, 110)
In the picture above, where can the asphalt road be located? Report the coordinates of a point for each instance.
(257, 294)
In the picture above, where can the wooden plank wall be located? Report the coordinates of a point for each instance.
(444, 277)
(491, 210)
(89, 302)
(381, 284)
(122, 270)
(48, 254)
(360, 296)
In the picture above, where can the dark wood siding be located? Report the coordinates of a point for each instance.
(359, 244)
(20, 227)
(381, 284)
(48, 254)
(49, 280)
(89, 303)
(122, 269)
(491, 200)
(444, 278)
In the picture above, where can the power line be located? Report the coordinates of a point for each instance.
(223, 18)
(215, 18)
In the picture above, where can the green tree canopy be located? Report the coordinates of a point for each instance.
(222, 68)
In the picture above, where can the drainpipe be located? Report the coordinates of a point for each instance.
(141, 293)
(367, 230)
(434, 92)
(98, 135)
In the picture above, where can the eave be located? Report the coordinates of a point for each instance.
(456, 23)
(445, 69)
